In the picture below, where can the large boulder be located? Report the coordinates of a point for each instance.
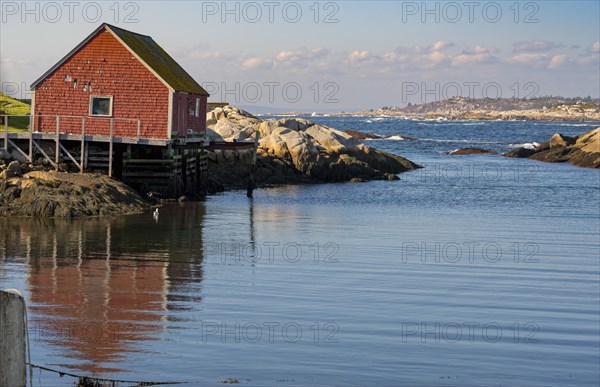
(295, 149)
(65, 195)
(521, 153)
(334, 141)
(583, 150)
(231, 130)
(212, 135)
(362, 135)
(589, 142)
(13, 169)
(559, 140)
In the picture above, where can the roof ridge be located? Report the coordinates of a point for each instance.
(111, 26)
(149, 52)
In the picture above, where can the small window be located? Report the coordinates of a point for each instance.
(197, 107)
(100, 106)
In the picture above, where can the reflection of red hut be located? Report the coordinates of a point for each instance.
(95, 308)
(93, 304)
(96, 290)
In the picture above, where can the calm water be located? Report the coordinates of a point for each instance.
(476, 271)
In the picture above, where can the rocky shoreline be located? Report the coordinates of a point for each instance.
(51, 194)
(484, 115)
(290, 151)
(582, 151)
(294, 150)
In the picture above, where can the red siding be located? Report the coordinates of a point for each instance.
(112, 71)
(184, 109)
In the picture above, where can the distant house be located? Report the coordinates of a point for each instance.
(120, 79)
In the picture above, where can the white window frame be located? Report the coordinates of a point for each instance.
(197, 107)
(110, 108)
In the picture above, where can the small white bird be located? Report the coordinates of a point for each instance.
(155, 214)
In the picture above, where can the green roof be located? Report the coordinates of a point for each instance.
(151, 54)
(158, 59)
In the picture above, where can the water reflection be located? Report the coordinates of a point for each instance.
(98, 289)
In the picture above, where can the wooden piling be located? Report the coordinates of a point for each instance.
(30, 139)
(13, 359)
(110, 148)
(57, 150)
(250, 189)
(81, 158)
(184, 175)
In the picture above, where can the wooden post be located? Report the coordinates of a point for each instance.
(57, 154)
(6, 133)
(81, 158)
(184, 171)
(198, 178)
(86, 152)
(31, 120)
(175, 176)
(110, 148)
(13, 361)
(253, 167)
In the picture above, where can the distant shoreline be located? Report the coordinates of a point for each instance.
(498, 109)
(512, 115)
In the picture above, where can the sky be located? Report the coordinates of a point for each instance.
(331, 55)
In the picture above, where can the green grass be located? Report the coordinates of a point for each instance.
(11, 106)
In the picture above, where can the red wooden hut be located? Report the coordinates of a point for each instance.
(120, 83)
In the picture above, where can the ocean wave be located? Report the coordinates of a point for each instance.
(526, 145)
(446, 141)
(382, 137)
(474, 123)
(576, 125)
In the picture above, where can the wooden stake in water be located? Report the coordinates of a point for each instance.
(12, 339)
(253, 167)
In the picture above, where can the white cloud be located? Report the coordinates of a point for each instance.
(360, 56)
(528, 59)
(255, 63)
(436, 57)
(441, 45)
(479, 54)
(535, 46)
(300, 55)
(557, 61)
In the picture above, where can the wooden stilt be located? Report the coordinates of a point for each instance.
(30, 139)
(253, 167)
(57, 152)
(110, 148)
(45, 154)
(184, 171)
(70, 156)
(198, 184)
(17, 148)
(86, 153)
(81, 158)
